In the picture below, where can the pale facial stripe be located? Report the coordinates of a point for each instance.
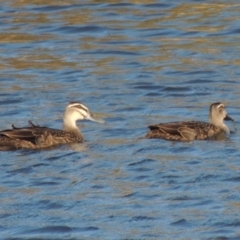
(78, 105)
(220, 106)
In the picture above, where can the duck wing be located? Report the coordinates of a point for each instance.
(26, 134)
(183, 131)
(30, 124)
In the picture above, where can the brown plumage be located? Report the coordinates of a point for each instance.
(35, 136)
(193, 130)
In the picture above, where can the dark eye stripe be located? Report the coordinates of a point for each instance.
(81, 107)
(78, 105)
(217, 105)
(221, 106)
(73, 103)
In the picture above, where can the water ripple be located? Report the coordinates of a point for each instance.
(134, 63)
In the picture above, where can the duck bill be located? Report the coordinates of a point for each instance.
(227, 118)
(91, 118)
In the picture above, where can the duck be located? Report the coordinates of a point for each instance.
(194, 130)
(35, 136)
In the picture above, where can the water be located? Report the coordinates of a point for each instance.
(134, 64)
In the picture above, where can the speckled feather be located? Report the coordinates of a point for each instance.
(36, 137)
(194, 130)
(183, 131)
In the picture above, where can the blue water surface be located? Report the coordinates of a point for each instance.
(134, 64)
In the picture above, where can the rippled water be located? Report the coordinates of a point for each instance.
(134, 64)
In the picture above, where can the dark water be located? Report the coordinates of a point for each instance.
(134, 64)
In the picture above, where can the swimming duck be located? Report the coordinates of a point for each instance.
(35, 136)
(194, 130)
